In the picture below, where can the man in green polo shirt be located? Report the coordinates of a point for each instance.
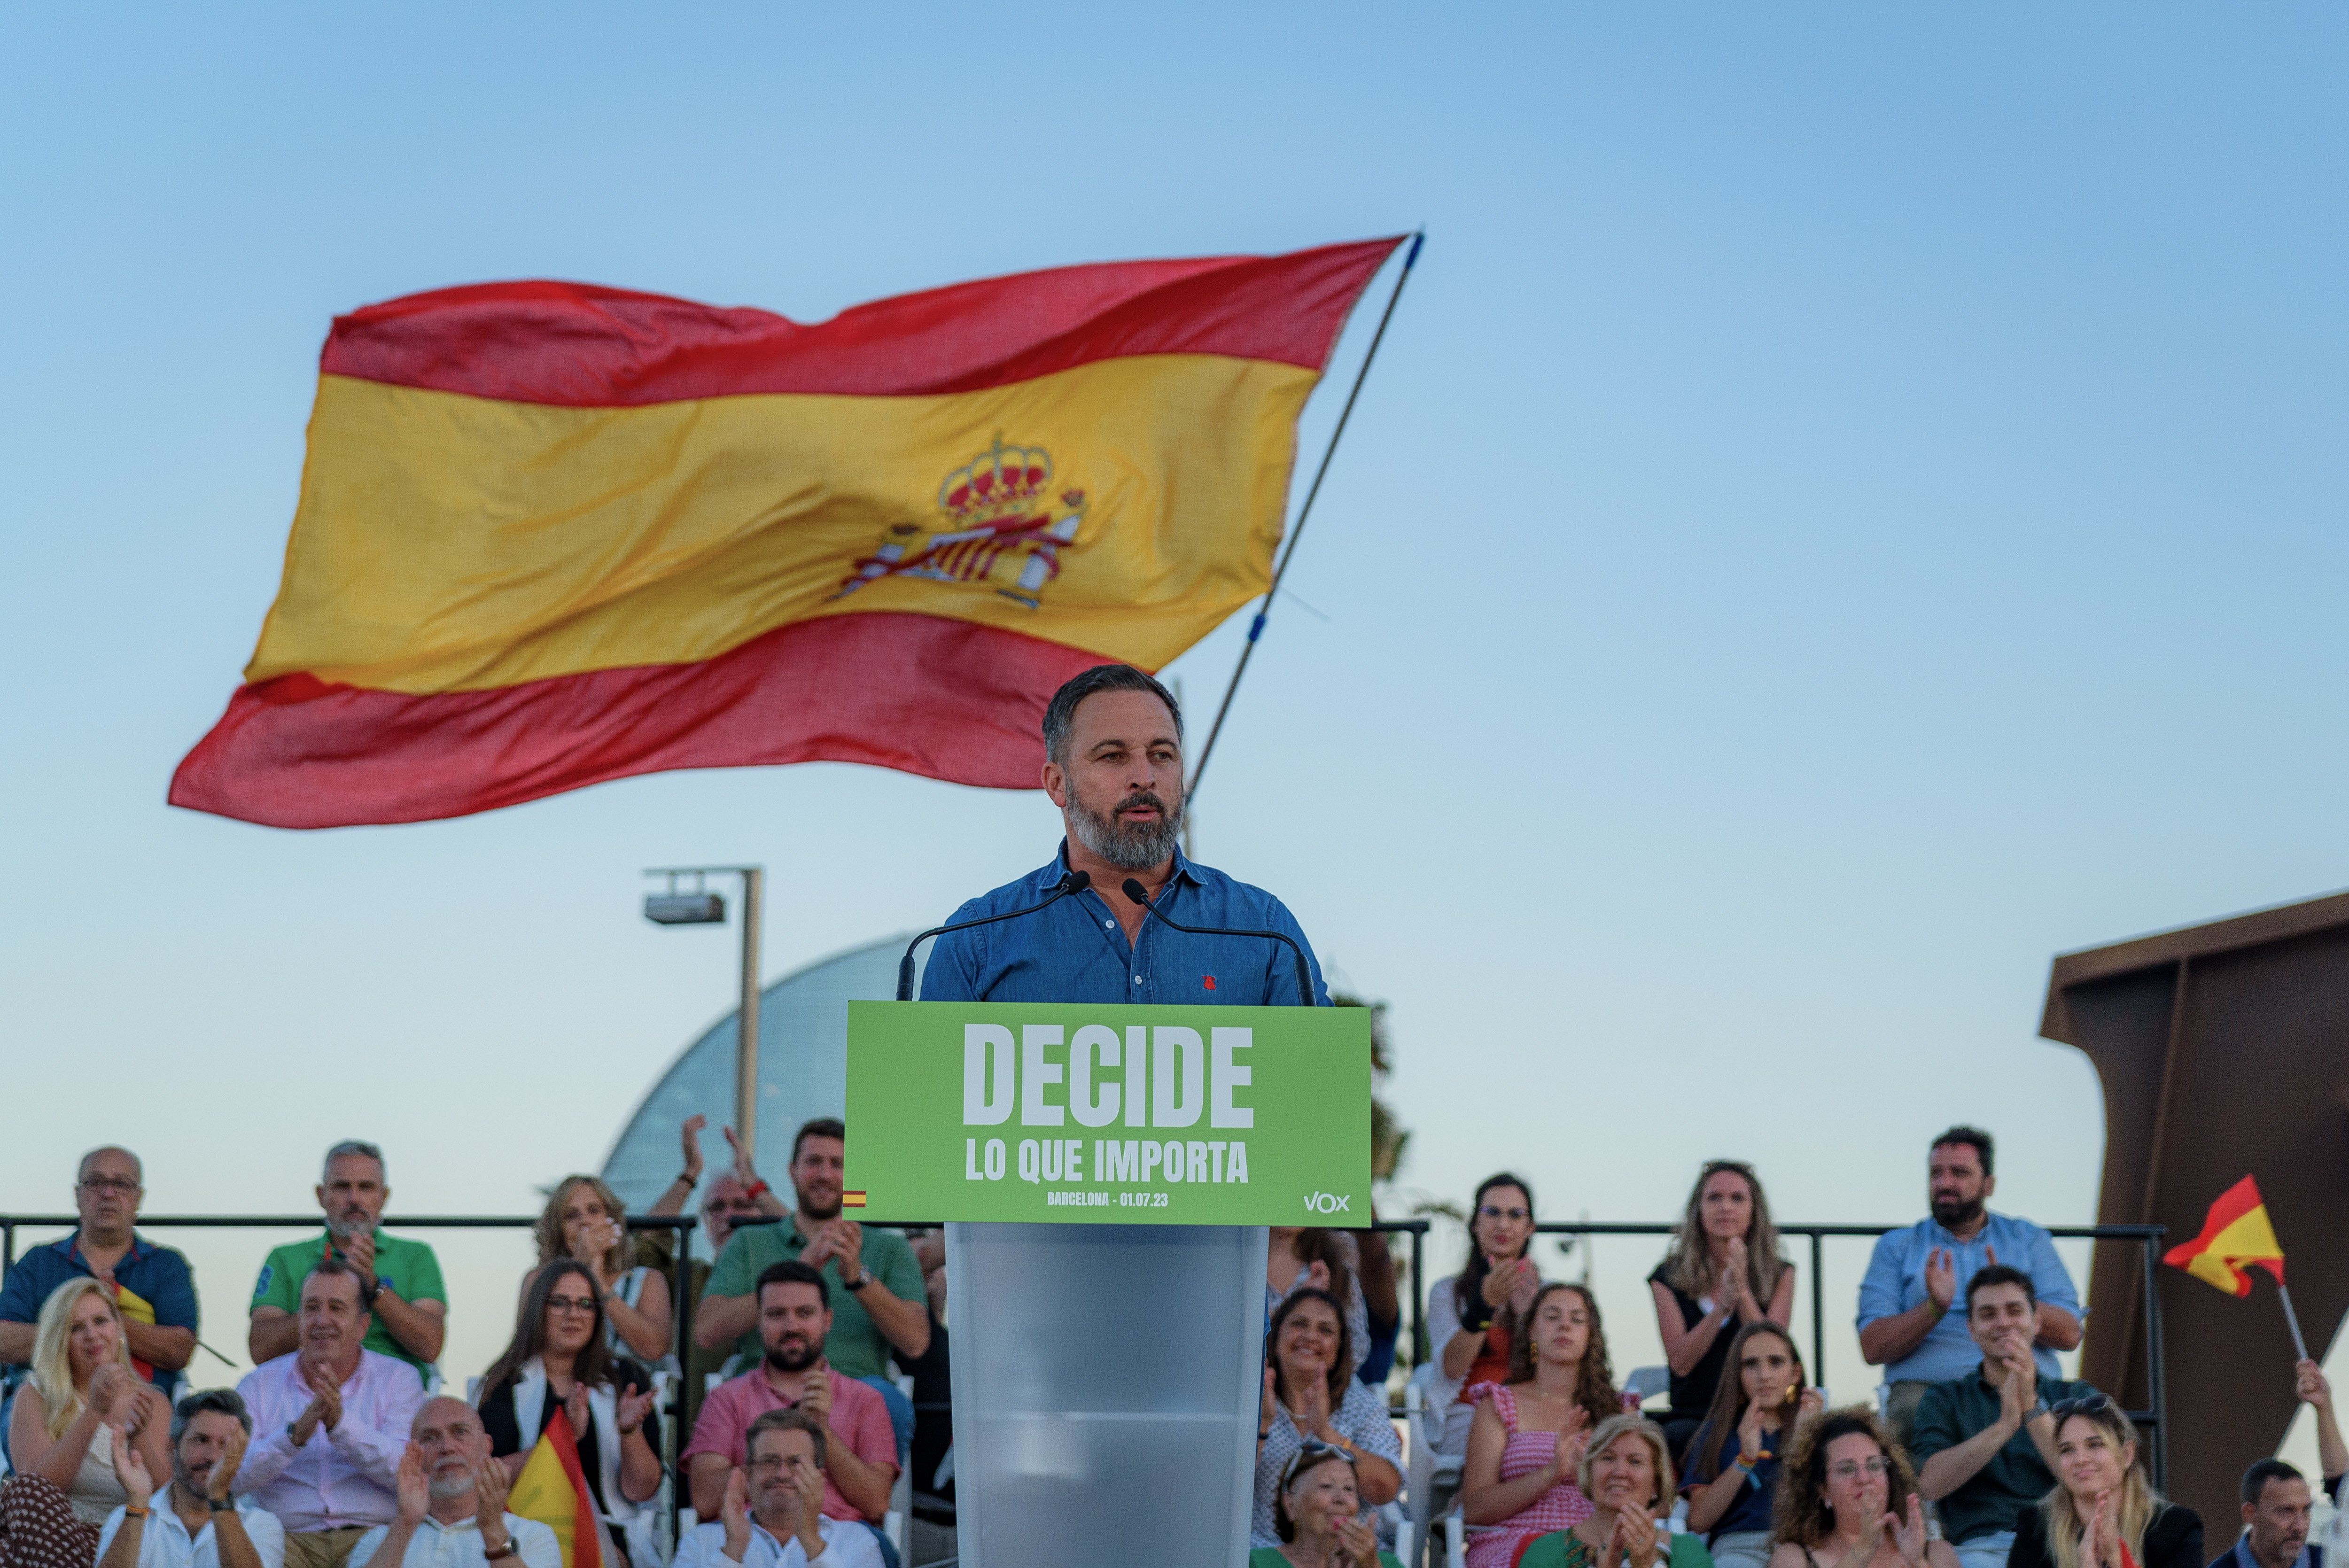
(400, 1281)
(1985, 1443)
(877, 1299)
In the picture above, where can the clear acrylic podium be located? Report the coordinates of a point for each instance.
(1106, 1382)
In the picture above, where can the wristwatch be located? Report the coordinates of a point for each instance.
(220, 1504)
(499, 1552)
(374, 1291)
(863, 1277)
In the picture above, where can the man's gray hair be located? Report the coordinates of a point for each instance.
(1061, 711)
(355, 1146)
(211, 1401)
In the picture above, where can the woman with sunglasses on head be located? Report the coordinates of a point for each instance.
(1628, 1476)
(1734, 1457)
(559, 1361)
(1473, 1315)
(1311, 1398)
(1722, 1272)
(1525, 1446)
(1318, 1516)
(1847, 1499)
(2103, 1512)
(82, 1401)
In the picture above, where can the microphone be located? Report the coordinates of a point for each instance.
(1132, 890)
(1071, 882)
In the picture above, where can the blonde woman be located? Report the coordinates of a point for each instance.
(1628, 1476)
(81, 1399)
(1722, 1272)
(2103, 1512)
(585, 1220)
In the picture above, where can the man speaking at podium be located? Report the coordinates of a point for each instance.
(1113, 764)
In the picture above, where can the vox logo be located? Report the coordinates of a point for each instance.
(1326, 1202)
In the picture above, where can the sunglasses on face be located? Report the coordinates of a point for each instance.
(1491, 1213)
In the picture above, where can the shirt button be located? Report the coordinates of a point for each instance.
(1107, 925)
(1137, 979)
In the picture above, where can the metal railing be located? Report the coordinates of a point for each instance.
(680, 1271)
(2149, 1238)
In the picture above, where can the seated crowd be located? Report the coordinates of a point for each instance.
(341, 1447)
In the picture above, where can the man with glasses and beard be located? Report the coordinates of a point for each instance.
(400, 1279)
(151, 1285)
(860, 1456)
(1113, 764)
(1906, 1322)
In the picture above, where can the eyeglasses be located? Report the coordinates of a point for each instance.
(1490, 1211)
(2085, 1405)
(123, 1185)
(583, 1304)
(1875, 1468)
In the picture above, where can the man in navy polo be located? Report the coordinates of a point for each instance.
(151, 1284)
(1113, 764)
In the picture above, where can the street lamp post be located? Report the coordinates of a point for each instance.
(701, 907)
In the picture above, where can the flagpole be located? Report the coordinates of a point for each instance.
(2298, 1345)
(1255, 627)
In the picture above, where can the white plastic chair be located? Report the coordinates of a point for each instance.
(1647, 1382)
(1423, 1420)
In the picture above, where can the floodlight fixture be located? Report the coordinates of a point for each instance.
(697, 905)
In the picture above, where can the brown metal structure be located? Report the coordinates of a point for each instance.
(2223, 1049)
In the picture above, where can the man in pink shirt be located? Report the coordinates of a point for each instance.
(329, 1425)
(860, 1461)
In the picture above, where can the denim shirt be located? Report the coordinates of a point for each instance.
(1076, 952)
(1895, 1281)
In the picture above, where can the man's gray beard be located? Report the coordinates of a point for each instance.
(1129, 848)
(455, 1486)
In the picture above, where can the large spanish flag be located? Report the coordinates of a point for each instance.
(2235, 1232)
(551, 534)
(553, 1489)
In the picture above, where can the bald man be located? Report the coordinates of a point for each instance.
(453, 1502)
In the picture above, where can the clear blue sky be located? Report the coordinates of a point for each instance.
(1850, 509)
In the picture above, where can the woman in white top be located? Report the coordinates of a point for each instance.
(81, 1399)
(584, 1221)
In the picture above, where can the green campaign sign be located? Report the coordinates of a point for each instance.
(1108, 1115)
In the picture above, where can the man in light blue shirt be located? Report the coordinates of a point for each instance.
(1906, 1325)
(1113, 741)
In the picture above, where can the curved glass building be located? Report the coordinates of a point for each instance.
(803, 1073)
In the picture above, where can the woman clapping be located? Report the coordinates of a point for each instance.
(1317, 1513)
(1628, 1476)
(1847, 1499)
(2102, 1513)
(1310, 1396)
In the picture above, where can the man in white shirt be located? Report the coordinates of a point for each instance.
(330, 1423)
(773, 1516)
(453, 1503)
(194, 1524)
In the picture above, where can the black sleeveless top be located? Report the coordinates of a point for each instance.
(1693, 1393)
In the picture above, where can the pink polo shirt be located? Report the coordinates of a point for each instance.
(858, 1418)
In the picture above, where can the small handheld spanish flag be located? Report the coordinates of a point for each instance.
(553, 1489)
(2237, 1234)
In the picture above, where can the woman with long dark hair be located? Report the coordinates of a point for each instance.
(1722, 1272)
(2104, 1512)
(1733, 1458)
(1472, 1315)
(1525, 1444)
(558, 1361)
(1310, 1396)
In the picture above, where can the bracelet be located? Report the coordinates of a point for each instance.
(133, 1511)
(685, 1179)
(758, 1191)
(1263, 1433)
